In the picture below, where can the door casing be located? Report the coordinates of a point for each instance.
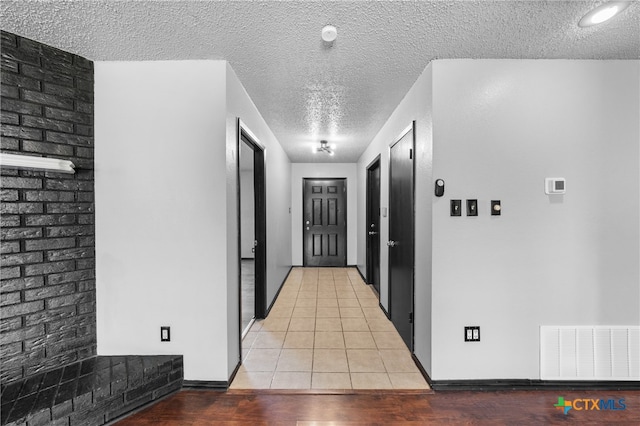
(373, 217)
(260, 211)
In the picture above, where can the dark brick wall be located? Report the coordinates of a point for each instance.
(47, 293)
(91, 392)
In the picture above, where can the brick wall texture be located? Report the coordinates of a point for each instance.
(47, 293)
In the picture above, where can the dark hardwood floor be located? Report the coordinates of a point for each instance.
(192, 407)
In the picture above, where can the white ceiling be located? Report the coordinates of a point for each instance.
(305, 89)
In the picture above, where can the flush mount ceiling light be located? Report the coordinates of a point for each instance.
(603, 13)
(329, 33)
(324, 147)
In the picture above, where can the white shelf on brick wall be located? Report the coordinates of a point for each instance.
(36, 163)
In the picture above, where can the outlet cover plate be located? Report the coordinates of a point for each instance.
(165, 334)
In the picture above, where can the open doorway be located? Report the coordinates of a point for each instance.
(251, 229)
(247, 238)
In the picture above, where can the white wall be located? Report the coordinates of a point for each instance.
(166, 210)
(416, 105)
(160, 229)
(499, 128)
(278, 176)
(300, 171)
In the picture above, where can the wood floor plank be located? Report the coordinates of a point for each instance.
(535, 407)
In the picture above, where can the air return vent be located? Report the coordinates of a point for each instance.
(590, 353)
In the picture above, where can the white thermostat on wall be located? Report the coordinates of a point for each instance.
(554, 186)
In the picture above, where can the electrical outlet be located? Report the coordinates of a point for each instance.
(165, 334)
(472, 333)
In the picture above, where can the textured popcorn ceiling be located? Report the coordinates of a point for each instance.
(307, 90)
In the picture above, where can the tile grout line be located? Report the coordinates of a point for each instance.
(346, 352)
(344, 340)
(313, 350)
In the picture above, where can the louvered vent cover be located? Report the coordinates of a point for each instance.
(590, 353)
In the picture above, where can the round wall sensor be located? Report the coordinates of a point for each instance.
(329, 33)
(439, 191)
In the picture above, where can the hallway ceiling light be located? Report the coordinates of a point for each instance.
(603, 13)
(324, 147)
(329, 33)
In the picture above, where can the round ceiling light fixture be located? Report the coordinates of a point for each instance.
(329, 33)
(325, 147)
(603, 13)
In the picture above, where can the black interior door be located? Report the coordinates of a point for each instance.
(401, 238)
(373, 224)
(260, 203)
(325, 222)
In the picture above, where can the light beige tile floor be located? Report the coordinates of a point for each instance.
(326, 331)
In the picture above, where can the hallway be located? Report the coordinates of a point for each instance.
(326, 331)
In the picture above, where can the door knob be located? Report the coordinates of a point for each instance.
(307, 222)
(307, 228)
(373, 233)
(392, 243)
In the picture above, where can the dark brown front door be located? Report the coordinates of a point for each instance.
(324, 222)
(401, 251)
(373, 224)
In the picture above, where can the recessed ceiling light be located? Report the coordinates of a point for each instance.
(603, 13)
(329, 33)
